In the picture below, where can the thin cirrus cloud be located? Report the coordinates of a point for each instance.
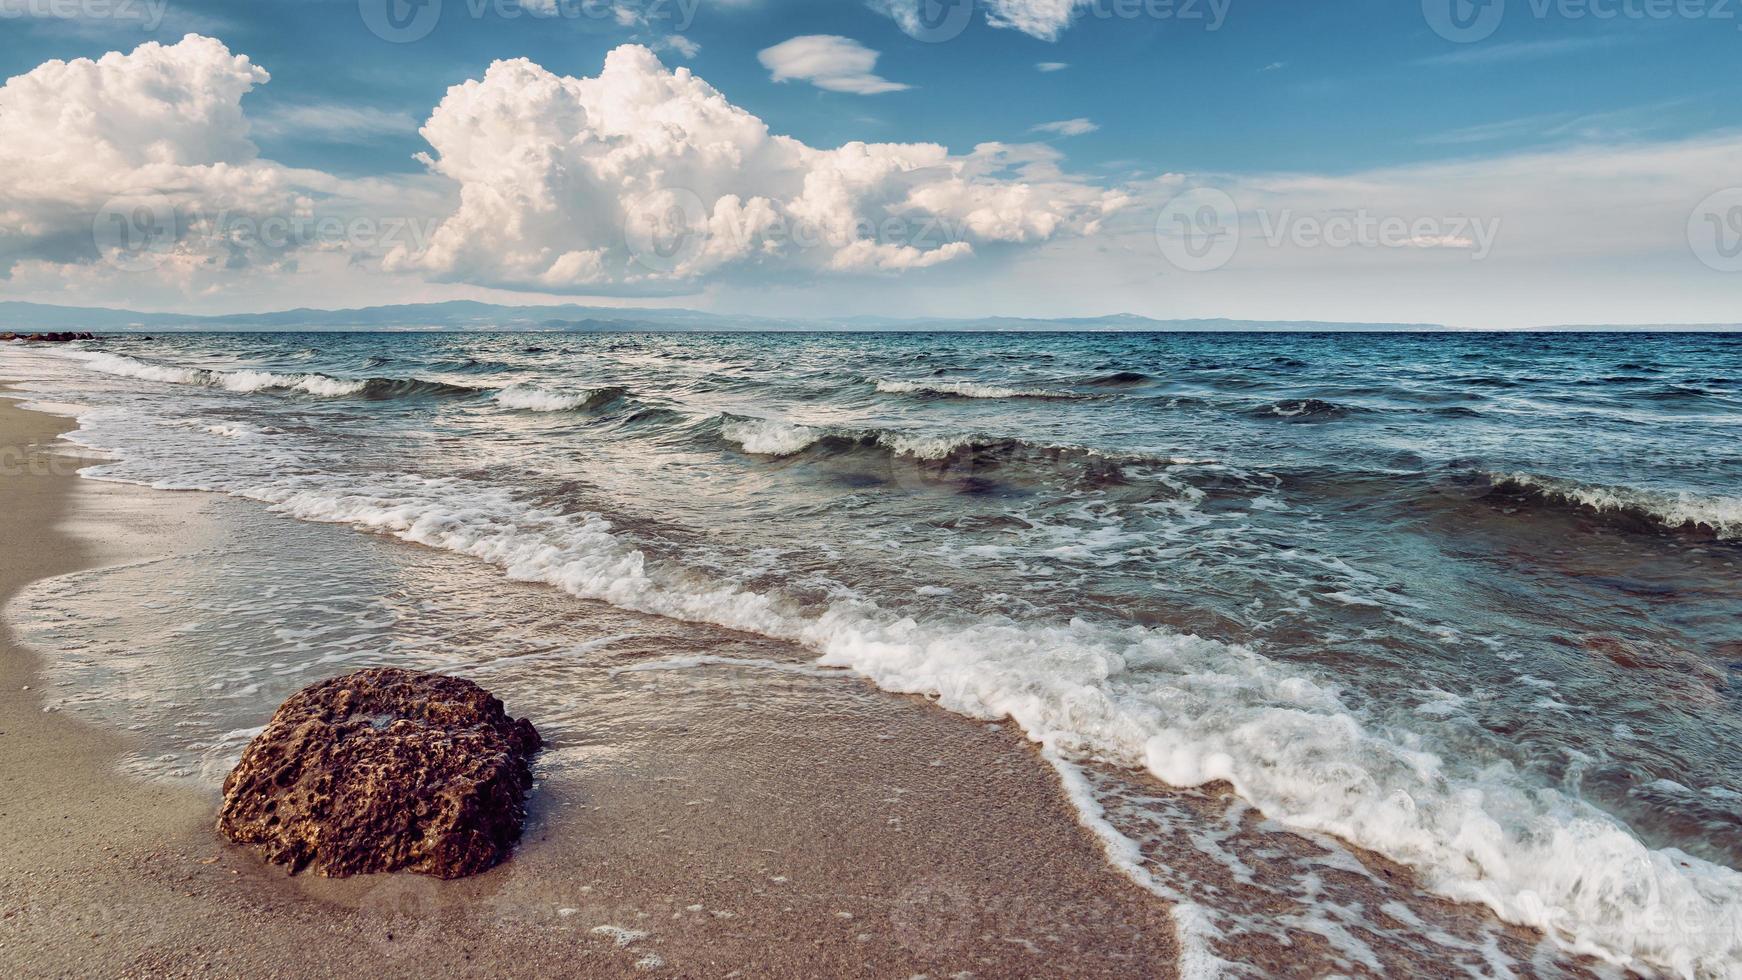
(1068, 127)
(333, 123)
(1042, 19)
(1487, 54)
(830, 62)
(1049, 67)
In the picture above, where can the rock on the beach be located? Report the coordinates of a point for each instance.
(384, 770)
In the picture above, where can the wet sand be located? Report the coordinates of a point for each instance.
(815, 828)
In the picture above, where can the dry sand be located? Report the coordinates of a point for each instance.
(823, 834)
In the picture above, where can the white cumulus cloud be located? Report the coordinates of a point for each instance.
(140, 164)
(646, 179)
(162, 124)
(828, 61)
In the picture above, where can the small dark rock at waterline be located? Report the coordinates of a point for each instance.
(384, 770)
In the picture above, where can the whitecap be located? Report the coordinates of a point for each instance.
(770, 437)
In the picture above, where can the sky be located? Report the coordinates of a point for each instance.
(1475, 163)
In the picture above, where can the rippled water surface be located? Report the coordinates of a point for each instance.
(1470, 602)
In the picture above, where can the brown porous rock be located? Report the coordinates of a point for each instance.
(384, 770)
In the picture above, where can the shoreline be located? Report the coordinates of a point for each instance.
(834, 839)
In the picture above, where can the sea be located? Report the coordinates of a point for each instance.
(1394, 648)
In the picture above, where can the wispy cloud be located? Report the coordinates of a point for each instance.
(1042, 19)
(1613, 126)
(828, 61)
(1484, 54)
(679, 43)
(329, 122)
(1052, 66)
(1067, 127)
(1273, 66)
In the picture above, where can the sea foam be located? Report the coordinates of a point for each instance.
(1187, 709)
(244, 381)
(1722, 516)
(530, 399)
(965, 389)
(769, 437)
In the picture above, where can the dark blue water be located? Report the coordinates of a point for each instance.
(1469, 600)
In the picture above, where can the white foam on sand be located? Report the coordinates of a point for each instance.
(1189, 710)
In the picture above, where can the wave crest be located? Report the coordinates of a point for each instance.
(966, 389)
(245, 380)
(1189, 710)
(769, 437)
(1304, 410)
(251, 380)
(1719, 517)
(527, 398)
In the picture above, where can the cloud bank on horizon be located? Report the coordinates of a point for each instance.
(171, 175)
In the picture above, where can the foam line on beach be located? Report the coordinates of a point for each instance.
(1189, 710)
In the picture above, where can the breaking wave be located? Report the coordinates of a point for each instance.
(1719, 517)
(769, 437)
(776, 438)
(530, 399)
(1304, 410)
(1189, 710)
(123, 366)
(966, 389)
(248, 380)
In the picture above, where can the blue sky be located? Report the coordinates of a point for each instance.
(1300, 112)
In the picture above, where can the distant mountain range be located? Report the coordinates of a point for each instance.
(469, 315)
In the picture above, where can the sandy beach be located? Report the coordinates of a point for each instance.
(823, 832)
